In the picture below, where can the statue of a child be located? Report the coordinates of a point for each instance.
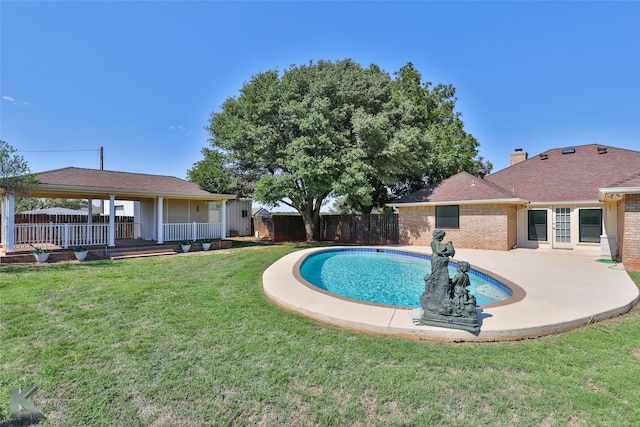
(464, 304)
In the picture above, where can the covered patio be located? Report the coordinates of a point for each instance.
(167, 209)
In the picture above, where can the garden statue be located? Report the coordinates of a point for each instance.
(446, 302)
(464, 304)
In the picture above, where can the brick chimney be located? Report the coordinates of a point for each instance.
(518, 156)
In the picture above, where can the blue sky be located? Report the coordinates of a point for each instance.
(141, 78)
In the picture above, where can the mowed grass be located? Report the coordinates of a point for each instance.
(191, 340)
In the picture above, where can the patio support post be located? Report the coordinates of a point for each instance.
(160, 227)
(136, 220)
(223, 218)
(90, 222)
(8, 225)
(65, 239)
(112, 220)
(3, 221)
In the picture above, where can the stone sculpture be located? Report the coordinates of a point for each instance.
(446, 302)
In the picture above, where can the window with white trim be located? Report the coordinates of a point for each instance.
(537, 225)
(590, 227)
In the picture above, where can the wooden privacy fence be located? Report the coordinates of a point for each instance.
(374, 229)
(279, 228)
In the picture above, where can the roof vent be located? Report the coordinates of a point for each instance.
(544, 156)
(602, 150)
(568, 150)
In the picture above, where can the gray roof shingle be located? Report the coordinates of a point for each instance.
(460, 187)
(548, 177)
(95, 181)
(555, 177)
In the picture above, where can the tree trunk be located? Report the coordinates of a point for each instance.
(311, 218)
(309, 229)
(316, 225)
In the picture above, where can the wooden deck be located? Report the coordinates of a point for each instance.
(129, 248)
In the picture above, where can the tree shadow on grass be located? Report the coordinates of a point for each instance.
(240, 242)
(65, 266)
(17, 423)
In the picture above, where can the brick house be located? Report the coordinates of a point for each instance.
(584, 198)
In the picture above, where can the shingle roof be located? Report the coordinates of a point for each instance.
(97, 181)
(553, 176)
(548, 177)
(460, 187)
(632, 181)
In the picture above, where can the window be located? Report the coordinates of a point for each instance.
(590, 225)
(448, 216)
(537, 225)
(245, 213)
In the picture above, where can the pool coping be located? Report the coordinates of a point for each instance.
(563, 290)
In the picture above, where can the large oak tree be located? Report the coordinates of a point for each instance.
(339, 130)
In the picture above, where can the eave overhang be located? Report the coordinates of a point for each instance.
(513, 201)
(565, 202)
(66, 191)
(620, 191)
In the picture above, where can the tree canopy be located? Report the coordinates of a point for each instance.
(338, 130)
(210, 173)
(15, 176)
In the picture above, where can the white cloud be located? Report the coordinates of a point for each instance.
(15, 102)
(180, 128)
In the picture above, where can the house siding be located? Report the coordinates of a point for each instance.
(491, 226)
(415, 225)
(631, 240)
(237, 224)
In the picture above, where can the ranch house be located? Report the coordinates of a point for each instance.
(582, 198)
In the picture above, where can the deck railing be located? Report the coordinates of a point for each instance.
(56, 235)
(51, 235)
(191, 231)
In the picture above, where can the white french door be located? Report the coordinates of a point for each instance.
(562, 238)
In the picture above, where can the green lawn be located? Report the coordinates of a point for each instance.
(191, 340)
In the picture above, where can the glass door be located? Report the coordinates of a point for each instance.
(562, 228)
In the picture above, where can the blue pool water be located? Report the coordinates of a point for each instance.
(387, 276)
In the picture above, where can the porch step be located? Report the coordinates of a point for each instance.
(141, 254)
(169, 248)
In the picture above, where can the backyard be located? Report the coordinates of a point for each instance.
(191, 340)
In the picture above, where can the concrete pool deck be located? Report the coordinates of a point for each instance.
(564, 290)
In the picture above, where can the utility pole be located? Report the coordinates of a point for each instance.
(101, 168)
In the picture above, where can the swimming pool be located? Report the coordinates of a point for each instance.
(387, 276)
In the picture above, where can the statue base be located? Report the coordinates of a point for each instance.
(421, 317)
